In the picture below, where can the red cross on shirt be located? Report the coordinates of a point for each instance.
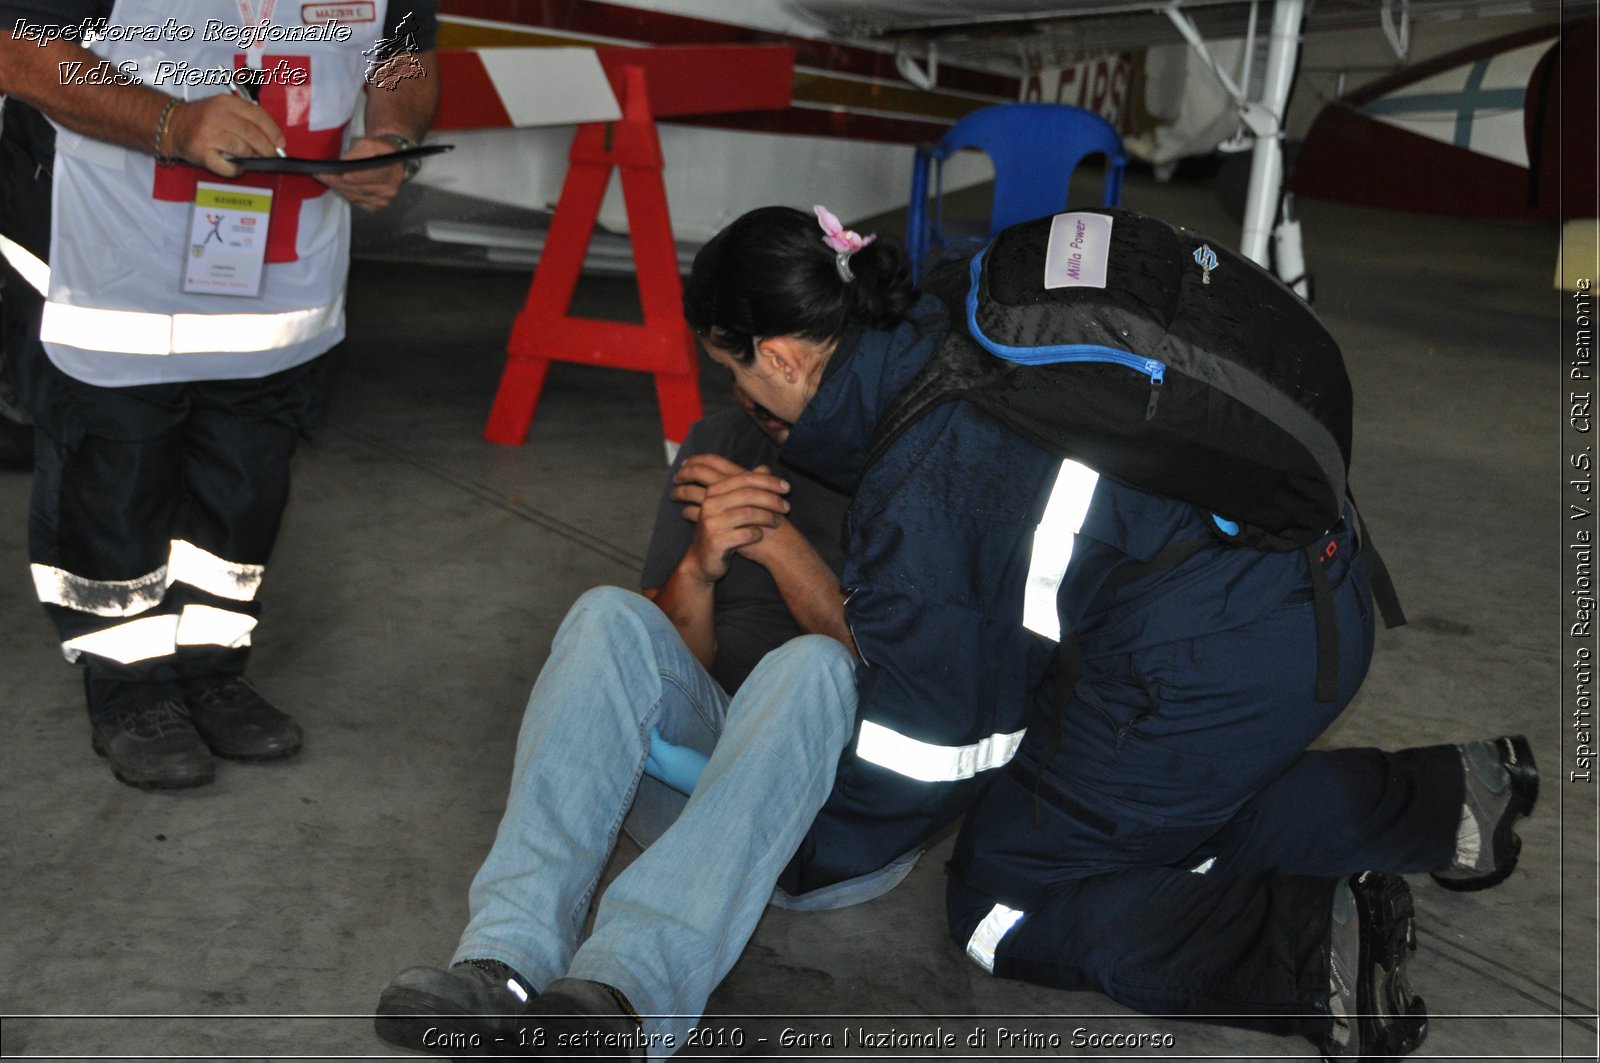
(290, 106)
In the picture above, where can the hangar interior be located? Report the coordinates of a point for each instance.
(422, 571)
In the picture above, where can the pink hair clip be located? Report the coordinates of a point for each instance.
(842, 241)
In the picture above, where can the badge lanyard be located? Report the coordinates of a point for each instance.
(251, 18)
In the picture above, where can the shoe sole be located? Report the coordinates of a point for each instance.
(183, 782)
(1517, 759)
(252, 756)
(1393, 1021)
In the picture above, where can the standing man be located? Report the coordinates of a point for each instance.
(170, 383)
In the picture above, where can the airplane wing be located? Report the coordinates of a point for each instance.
(995, 32)
(872, 77)
(963, 31)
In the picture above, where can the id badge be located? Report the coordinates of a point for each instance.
(227, 240)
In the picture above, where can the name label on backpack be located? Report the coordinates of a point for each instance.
(1080, 245)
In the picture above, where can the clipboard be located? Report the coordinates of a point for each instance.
(273, 164)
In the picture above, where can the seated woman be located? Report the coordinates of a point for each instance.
(828, 768)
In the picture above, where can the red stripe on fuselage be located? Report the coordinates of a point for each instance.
(1449, 61)
(598, 19)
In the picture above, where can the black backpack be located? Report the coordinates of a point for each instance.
(1162, 360)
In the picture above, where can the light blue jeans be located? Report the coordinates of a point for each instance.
(671, 926)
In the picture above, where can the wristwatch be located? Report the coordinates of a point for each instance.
(403, 143)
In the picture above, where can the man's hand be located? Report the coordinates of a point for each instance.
(404, 107)
(202, 131)
(733, 508)
(744, 511)
(372, 189)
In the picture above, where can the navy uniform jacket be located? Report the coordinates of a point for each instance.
(945, 554)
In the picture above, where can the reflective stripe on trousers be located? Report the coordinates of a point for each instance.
(150, 637)
(145, 637)
(990, 932)
(186, 563)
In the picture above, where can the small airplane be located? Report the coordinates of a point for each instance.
(871, 79)
(1479, 131)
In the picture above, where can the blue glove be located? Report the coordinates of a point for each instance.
(677, 766)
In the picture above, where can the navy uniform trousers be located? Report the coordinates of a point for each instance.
(1180, 850)
(153, 514)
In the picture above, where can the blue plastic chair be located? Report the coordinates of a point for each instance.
(1034, 148)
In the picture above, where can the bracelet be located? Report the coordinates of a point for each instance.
(161, 133)
(404, 143)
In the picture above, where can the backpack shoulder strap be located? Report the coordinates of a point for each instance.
(958, 367)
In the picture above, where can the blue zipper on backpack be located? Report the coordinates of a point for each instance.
(1067, 352)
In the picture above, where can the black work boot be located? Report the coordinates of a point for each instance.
(153, 747)
(472, 1009)
(1502, 785)
(238, 723)
(575, 1017)
(1373, 932)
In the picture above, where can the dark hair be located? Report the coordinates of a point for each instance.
(769, 273)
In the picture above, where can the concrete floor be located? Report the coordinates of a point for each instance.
(421, 573)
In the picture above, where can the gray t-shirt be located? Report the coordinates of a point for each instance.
(750, 619)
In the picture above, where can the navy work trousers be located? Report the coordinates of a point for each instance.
(154, 511)
(1180, 851)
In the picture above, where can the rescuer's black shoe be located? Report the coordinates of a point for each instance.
(1502, 785)
(1373, 1013)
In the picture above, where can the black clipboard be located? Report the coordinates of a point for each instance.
(274, 164)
